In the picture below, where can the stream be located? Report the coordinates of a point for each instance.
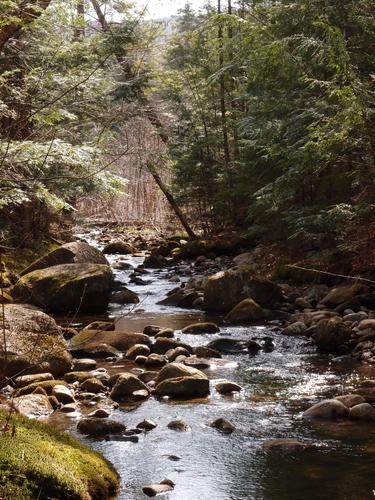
(205, 464)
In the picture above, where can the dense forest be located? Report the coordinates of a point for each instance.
(187, 250)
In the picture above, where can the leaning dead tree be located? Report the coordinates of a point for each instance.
(151, 114)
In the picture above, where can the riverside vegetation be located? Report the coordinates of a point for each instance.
(237, 354)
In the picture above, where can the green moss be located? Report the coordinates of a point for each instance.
(20, 259)
(41, 462)
(47, 385)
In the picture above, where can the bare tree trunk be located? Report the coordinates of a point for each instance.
(153, 117)
(80, 29)
(223, 106)
(24, 14)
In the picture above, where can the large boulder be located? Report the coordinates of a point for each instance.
(76, 252)
(92, 426)
(33, 405)
(327, 409)
(118, 247)
(330, 334)
(343, 295)
(224, 290)
(66, 288)
(125, 385)
(179, 381)
(246, 311)
(34, 343)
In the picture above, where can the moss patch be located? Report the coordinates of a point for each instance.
(47, 385)
(41, 462)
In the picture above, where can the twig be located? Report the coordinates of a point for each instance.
(356, 278)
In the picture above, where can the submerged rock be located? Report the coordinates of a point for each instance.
(227, 387)
(66, 288)
(100, 427)
(147, 425)
(154, 490)
(125, 296)
(201, 328)
(287, 445)
(327, 409)
(223, 425)
(178, 425)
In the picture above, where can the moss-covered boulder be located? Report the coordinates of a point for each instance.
(224, 290)
(179, 381)
(66, 288)
(41, 462)
(246, 311)
(34, 343)
(87, 340)
(76, 252)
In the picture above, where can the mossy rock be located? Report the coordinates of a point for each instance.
(41, 462)
(47, 385)
(66, 288)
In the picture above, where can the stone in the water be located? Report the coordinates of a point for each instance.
(350, 400)
(222, 424)
(154, 490)
(147, 425)
(118, 247)
(99, 413)
(363, 411)
(287, 445)
(125, 385)
(327, 409)
(156, 361)
(178, 425)
(330, 334)
(172, 354)
(253, 347)
(33, 405)
(247, 311)
(100, 427)
(125, 296)
(227, 387)
(296, 328)
(70, 408)
(63, 394)
(137, 350)
(84, 364)
(166, 333)
(140, 360)
(179, 381)
(25, 380)
(227, 345)
(199, 363)
(140, 395)
(93, 385)
(152, 330)
(201, 328)
(206, 352)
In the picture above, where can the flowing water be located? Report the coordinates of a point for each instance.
(206, 464)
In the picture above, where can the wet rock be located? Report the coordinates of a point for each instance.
(53, 402)
(125, 385)
(246, 311)
(154, 490)
(97, 350)
(223, 425)
(93, 385)
(287, 445)
(63, 394)
(343, 295)
(25, 380)
(155, 262)
(33, 405)
(124, 438)
(84, 364)
(253, 347)
(201, 328)
(179, 381)
(162, 345)
(206, 352)
(152, 330)
(173, 354)
(147, 376)
(350, 400)
(140, 360)
(137, 350)
(125, 296)
(99, 413)
(89, 340)
(118, 247)
(178, 425)
(140, 395)
(105, 326)
(34, 343)
(327, 409)
(100, 427)
(227, 387)
(156, 361)
(226, 289)
(76, 252)
(193, 361)
(363, 411)
(296, 328)
(166, 333)
(330, 334)
(227, 345)
(66, 288)
(69, 408)
(147, 425)
(367, 324)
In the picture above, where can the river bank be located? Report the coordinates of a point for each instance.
(278, 383)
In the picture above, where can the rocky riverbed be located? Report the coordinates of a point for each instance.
(200, 378)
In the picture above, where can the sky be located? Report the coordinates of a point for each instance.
(165, 8)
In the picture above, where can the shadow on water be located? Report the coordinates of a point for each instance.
(278, 386)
